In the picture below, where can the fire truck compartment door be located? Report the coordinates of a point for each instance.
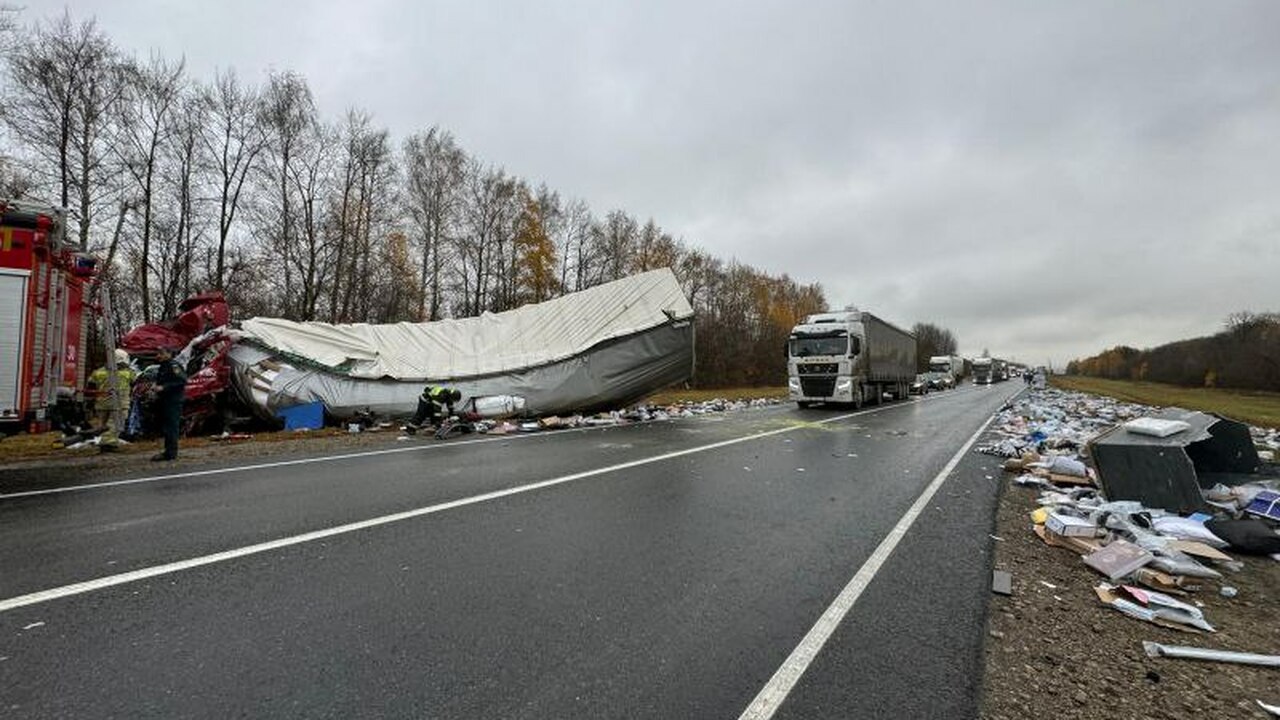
(13, 300)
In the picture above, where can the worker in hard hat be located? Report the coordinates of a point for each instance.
(431, 404)
(106, 398)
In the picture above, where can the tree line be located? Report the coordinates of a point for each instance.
(932, 340)
(1245, 355)
(181, 185)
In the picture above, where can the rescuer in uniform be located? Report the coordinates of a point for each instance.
(433, 400)
(171, 381)
(104, 403)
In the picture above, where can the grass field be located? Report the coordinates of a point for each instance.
(667, 397)
(1256, 408)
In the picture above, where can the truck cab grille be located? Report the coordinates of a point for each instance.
(817, 386)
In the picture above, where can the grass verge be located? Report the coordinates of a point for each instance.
(1256, 408)
(23, 447)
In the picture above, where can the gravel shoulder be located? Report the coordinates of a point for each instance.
(1054, 651)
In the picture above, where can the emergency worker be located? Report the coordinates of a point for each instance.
(433, 400)
(105, 401)
(171, 382)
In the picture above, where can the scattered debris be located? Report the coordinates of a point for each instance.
(1001, 582)
(1118, 559)
(228, 436)
(1152, 540)
(1165, 471)
(1158, 612)
(1075, 627)
(1157, 650)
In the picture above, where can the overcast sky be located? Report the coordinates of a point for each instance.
(1046, 179)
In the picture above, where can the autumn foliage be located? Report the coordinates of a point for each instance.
(1244, 356)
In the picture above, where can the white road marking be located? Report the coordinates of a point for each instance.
(774, 692)
(173, 567)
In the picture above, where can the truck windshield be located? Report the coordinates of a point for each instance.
(819, 345)
(940, 367)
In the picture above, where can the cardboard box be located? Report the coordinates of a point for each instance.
(1081, 545)
(1069, 526)
(1118, 559)
(1200, 550)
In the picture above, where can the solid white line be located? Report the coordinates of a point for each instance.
(149, 572)
(774, 692)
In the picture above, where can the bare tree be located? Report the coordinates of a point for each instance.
(576, 248)
(616, 245)
(434, 170)
(312, 178)
(287, 114)
(232, 138)
(61, 87)
(932, 340)
(151, 95)
(488, 196)
(366, 198)
(181, 211)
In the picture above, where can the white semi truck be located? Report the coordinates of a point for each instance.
(849, 357)
(982, 371)
(987, 370)
(950, 365)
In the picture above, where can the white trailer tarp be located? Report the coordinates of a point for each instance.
(492, 343)
(609, 344)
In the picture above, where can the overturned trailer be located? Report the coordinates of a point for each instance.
(599, 348)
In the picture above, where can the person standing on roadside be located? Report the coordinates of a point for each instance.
(171, 382)
(108, 398)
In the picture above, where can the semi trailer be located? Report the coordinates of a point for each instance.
(849, 357)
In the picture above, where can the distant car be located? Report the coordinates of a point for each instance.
(940, 381)
(921, 385)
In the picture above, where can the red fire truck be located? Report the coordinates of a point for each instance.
(44, 315)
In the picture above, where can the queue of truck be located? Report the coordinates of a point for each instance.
(854, 358)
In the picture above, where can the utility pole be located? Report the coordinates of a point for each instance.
(109, 339)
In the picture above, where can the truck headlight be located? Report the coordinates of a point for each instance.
(793, 383)
(844, 384)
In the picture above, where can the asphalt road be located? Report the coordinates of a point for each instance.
(704, 568)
